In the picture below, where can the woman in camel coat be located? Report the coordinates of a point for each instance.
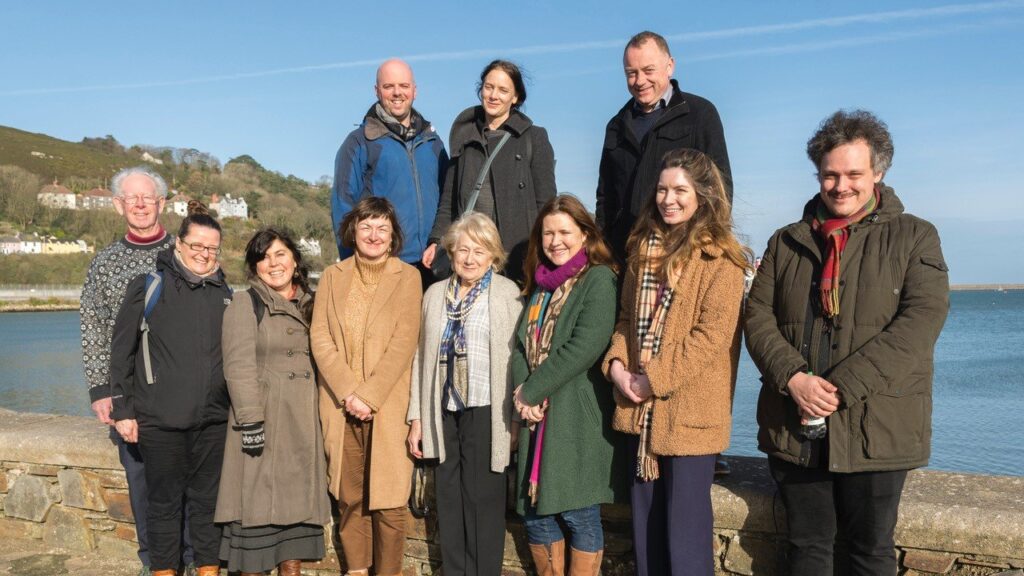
(364, 332)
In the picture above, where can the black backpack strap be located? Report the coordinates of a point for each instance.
(259, 307)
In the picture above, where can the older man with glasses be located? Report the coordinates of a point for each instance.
(139, 196)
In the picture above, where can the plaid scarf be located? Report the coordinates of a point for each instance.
(835, 232)
(541, 317)
(654, 299)
(453, 342)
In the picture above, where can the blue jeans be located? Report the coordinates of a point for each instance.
(586, 534)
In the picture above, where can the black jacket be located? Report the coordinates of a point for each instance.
(629, 168)
(184, 343)
(522, 176)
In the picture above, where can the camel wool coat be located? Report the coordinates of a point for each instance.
(693, 377)
(389, 343)
(271, 379)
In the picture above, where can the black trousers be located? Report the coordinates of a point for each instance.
(470, 497)
(180, 464)
(860, 508)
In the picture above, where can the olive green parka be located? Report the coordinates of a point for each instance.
(894, 297)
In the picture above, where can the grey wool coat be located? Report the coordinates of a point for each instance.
(504, 306)
(271, 379)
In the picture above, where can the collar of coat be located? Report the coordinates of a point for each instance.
(468, 127)
(890, 207)
(276, 304)
(374, 129)
(389, 280)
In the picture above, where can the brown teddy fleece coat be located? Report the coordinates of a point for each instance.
(694, 375)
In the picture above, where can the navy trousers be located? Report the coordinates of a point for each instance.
(859, 508)
(673, 521)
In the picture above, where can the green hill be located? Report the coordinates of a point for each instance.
(56, 159)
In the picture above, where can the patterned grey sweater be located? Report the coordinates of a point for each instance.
(109, 274)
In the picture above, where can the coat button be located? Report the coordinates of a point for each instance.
(307, 374)
(895, 290)
(291, 353)
(835, 346)
(519, 156)
(522, 185)
(291, 375)
(842, 282)
(307, 352)
(291, 330)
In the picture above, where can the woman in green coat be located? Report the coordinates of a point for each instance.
(565, 453)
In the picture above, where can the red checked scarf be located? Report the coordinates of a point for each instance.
(654, 298)
(836, 231)
(541, 315)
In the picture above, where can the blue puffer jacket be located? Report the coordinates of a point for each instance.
(374, 161)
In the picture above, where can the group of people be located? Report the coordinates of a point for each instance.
(479, 319)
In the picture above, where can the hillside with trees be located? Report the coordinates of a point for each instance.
(29, 161)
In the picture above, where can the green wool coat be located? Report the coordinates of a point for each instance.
(577, 468)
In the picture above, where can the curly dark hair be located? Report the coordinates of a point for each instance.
(845, 127)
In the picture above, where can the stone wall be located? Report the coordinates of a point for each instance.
(60, 482)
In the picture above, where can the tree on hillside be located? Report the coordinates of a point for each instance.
(18, 189)
(107, 144)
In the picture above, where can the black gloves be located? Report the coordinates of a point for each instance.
(252, 438)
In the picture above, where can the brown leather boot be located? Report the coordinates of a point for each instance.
(549, 559)
(165, 573)
(584, 563)
(211, 570)
(290, 568)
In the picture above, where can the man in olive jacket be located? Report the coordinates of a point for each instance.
(841, 321)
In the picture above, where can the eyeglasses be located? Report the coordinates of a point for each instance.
(134, 200)
(197, 247)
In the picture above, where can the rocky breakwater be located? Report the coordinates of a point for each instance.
(62, 489)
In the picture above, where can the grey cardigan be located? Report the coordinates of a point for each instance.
(505, 305)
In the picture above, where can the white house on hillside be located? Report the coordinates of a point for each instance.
(178, 204)
(97, 199)
(232, 208)
(56, 196)
(10, 245)
(309, 246)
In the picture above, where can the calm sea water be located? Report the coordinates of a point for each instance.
(978, 394)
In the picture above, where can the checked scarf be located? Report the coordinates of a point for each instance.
(654, 299)
(453, 341)
(836, 231)
(541, 317)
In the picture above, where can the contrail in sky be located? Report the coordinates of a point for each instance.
(951, 10)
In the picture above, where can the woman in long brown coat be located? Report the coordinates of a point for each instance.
(365, 328)
(273, 490)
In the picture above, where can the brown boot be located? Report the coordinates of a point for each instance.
(211, 570)
(584, 563)
(165, 573)
(290, 568)
(549, 559)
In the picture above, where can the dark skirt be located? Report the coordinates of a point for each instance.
(262, 548)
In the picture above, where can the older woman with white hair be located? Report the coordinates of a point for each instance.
(461, 406)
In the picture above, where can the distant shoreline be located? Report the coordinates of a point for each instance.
(67, 305)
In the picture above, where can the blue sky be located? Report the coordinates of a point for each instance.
(286, 82)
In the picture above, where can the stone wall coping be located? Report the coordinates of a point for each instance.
(951, 512)
(72, 441)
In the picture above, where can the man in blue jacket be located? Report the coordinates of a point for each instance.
(396, 154)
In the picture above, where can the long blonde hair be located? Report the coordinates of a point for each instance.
(711, 224)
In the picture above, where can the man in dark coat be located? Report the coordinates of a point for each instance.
(841, 321)
(658, 118)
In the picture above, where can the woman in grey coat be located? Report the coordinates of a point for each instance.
(521, 177)
(273, 491)
(460, 409)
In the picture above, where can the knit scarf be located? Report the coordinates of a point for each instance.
(836, 232)
(453, 342)
(654, 298)
(553, 287)
(404, 132)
